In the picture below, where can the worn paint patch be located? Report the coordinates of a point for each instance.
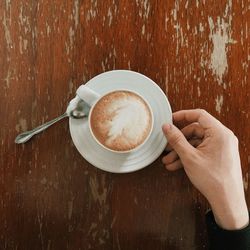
(98, 195)
(92, 11)
(221, 36)
(198, 91)
(245, 181)
(43, 181)
(219, 103)
(70, 209)
(71, 37)
(8, 78)
(71, 87)
(144, 8)
(180, 36)
(6, 24)
(23, 44)
(22, 125)
(110, 16)
(76, 13)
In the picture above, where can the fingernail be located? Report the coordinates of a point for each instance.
(166, 127)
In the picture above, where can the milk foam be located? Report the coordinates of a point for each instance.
(131, 119)
(121, 120)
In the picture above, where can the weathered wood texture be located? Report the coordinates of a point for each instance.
(50, 197)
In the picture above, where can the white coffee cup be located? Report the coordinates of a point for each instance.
(136, 101)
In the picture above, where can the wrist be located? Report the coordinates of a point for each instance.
(231, 217)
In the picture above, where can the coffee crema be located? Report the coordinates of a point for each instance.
(121, 120)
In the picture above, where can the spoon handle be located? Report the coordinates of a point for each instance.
(25, 136)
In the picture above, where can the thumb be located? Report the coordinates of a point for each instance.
(177, 140)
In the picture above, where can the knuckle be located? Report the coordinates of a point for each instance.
(229, 134)
(202, 111)
(175, 140)
(193, 158)
(236, 140)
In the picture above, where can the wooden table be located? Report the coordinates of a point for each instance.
(50, 197)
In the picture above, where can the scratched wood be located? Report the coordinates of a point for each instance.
(50, 197)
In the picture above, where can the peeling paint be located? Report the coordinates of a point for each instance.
(70, 209)
(7, 31)
(43, 181)
(48, 29)
(92, 227)
(110, 17)
(113, 221)
(129, 65)
(201, 28)
(166, 23)
(144, 8)
(8, 78)
(23, 44)
(22, 125)
(101, 241)
(179, 37)
(246, 181)
(97, 195)
(71, 86)
(103, 66)
(96, 40)
(175, 10)
(76, 13)
(24, 22)
(198, 91)
(221, 36)
(143, 30)
(34, 105)
(71, 37)
(197, 3)
(92, 12)
(118, 241)
(219, 103)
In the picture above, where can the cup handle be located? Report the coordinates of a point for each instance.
(87, 94)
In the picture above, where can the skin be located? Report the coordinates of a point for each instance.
(208, 152)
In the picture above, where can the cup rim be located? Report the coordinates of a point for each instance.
(124, 151)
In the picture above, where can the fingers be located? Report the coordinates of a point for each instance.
(178, 141)
(174, 166)
(170, 158)
(190, 131)
(193, 130)
(168, 148)
(173, 156)
(195, 115)
(195, 142)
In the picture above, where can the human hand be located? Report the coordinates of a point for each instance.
(208, 151)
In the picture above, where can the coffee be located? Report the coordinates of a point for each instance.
(121, 120)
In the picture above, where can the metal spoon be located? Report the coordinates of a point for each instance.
(81, 111)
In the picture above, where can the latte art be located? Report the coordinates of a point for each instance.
(121, 120)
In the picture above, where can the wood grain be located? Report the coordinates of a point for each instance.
(50, 197)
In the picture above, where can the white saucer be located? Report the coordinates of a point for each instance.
(145, 155)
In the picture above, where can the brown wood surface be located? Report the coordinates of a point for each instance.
(50, 197)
